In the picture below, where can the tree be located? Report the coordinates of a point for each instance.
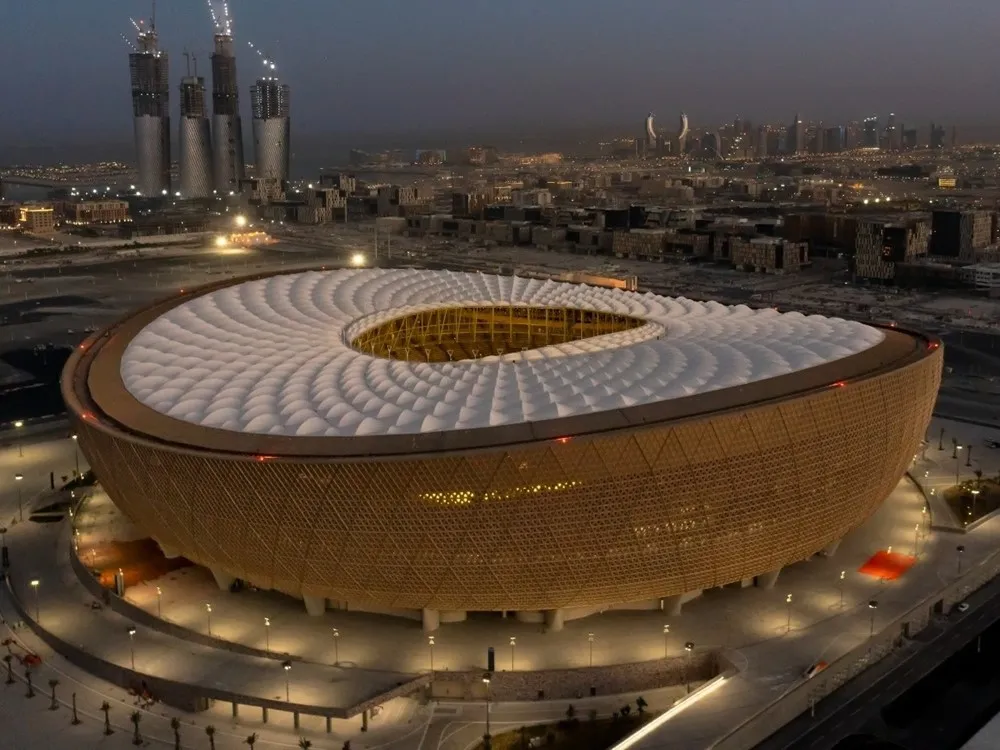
(31, 687)
(210, 731)
(10, 670)
(941, 440)
(570, 712)
(640, 705)
(135, 717)
(52, 686)
(106, 708)
(347, 745)
(626, 710)
(304, 743)
(251, 740)
(175, 724)
(523, 731)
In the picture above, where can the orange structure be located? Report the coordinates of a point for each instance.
(635, 506)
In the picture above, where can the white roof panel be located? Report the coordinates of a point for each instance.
(273, 356)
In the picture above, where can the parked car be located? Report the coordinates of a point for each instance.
(991, 443)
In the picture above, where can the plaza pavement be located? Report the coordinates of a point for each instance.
(750, 623)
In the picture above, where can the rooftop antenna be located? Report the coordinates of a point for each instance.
(152, 18)
(187, 62)
(194, 59)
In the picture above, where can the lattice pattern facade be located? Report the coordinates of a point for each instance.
(593, 520)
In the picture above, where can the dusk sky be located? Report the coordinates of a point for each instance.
(425, 65)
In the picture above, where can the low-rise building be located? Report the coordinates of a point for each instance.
(37, 219)
(110, 211)
(768, 254)
(983, 276)
(881, 244)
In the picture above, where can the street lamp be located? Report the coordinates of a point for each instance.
(916, 539)
(513, 642)
(131, 645)
(287, 666)
(975, 496)
(960, 549)
(336, 647)
(20, 448)
(666, 640)
(688, 647)
(208, 612)
(34, 584)
(788, 624)
(430, 645)
(843, 574)
(486, 681)
(958, 463)
(590, 640)
(267, 636)
(20, 506)
(76, 454)
(159, 602)
(872, 606)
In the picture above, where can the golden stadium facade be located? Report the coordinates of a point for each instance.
(368, 458)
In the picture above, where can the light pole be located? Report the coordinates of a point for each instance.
(20, 447)
(975, 497)
(843, 574)
(208, 613)
(486, 681)
(267, 636)
(336, 647)
(3, 536)
(20, 506)
(34, 585)
(131, 645)
(287, 666)
(960, 549)
(430, 645)
(788, 607)
(958, 464)
(590, 640)
(872, 606)
(689, 648)
(666, 640)
(513, 642)
(159, 602)
(916, 539)
(76, 455)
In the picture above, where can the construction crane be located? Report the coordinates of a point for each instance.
(268, 62)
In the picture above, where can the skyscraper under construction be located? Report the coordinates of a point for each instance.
(195, 139)
(148, 68)
(227, 127)
(271, 129)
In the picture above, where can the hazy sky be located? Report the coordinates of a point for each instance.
(416, 65)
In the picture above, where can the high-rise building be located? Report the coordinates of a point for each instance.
(195, 139)
(796, 140)
(149, 70)
(937, 136)
(269, 102)
(682, 135)
(833, 139)
(227, 127)
(869, 133)
(649, 135)
(893, 133)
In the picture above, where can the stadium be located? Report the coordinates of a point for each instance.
(431, 444)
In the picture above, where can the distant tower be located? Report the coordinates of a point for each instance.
(649, 128)
(796, 140)
(682, 134)
(195, 138)
(148, 67)
(227, 127)
(269, 102)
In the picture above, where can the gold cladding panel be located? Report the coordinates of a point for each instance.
(589, 521)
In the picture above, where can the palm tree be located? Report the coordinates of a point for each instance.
(210, 731)
(640, 705)
(31, 687)
(570, 712)
(175, 724)
(251, 740)
(304, 743)
(10, 670)
(106, 708)
(52, 686)
(347, 745)
(941, 440)
(523, 731)
(135, 717)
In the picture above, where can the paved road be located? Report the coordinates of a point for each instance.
(849, 709)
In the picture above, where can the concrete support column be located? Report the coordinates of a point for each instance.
(315, 605)
(329, 725)
(831, 549)
(263, 714)
(364, 721)
(236, 709)
(222, 579)
(672, 605)
(431, 620)
(767, 580)
(554, 620)
(295, 719)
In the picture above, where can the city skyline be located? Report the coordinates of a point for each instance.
(385, 68)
